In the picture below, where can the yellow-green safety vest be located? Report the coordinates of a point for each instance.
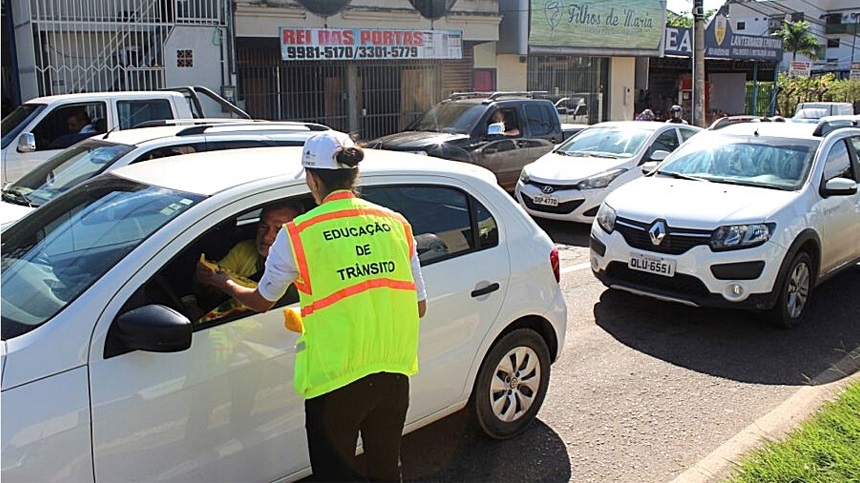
(356, 291)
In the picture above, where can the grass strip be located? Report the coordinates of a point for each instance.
(825, 448)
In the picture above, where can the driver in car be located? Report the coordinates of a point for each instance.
(246, 259)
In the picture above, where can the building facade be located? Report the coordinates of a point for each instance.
(835, 24)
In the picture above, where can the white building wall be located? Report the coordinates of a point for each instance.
(755, 19)
(208, 48)
(622, 84)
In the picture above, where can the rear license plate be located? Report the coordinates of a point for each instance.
(651, 264)
(545, 200)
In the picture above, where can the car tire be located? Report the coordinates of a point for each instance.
(794, 292)
(511, 384)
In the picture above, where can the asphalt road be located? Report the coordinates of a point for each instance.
(645, 389)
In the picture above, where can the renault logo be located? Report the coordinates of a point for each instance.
(547, 189)
(657, 232)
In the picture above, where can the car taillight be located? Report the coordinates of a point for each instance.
(553, 261)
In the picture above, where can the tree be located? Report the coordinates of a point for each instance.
(684, 19)
(797, 39)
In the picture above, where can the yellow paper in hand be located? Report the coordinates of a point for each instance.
(293, 320)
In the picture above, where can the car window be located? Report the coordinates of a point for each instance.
(67, 169)
(134, 112)
(54, 132)
(666, 141)
(606, 142)
(52, 255)
(538, 119)
(838, 163)
(774, 162)
(230, 244)
(686, 133)
(446, 222)
(167, 151)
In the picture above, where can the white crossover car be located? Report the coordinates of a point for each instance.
(105, 152)
(751, 216)
(106, 377)
(569, 182)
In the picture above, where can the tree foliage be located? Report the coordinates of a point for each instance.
(685, 19)
(797, 39)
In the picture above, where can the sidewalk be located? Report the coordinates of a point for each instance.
(776, 424)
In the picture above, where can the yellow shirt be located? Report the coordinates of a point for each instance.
(243, 259)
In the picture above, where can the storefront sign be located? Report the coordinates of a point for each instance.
(854, 74)
(799, 68)
(369, 44)
(597, 24)
(722, 43)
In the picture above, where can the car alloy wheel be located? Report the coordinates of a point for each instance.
(512, 384)
(795, 292)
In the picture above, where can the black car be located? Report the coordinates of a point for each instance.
(501, 131)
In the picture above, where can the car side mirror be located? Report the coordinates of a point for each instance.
(649, 167)
(659, 155)
(26, 142)
(154, 328)
(839, 187)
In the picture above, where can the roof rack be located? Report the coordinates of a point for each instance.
(194, 121)
(826, 127)
(261, 125)
(494, 95)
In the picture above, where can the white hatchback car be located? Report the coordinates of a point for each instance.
(569, 182)
(104, 378)
(105, 152)
(751, 216)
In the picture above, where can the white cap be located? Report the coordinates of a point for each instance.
(321, 150)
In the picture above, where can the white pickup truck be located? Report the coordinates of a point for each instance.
(40, 127)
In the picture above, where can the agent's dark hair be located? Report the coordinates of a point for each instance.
(341, 179)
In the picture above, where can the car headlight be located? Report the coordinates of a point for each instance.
(732, 237)
(524, 176)
(601, 180)
(606, 218)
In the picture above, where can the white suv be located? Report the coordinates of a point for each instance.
(752, 216)
(105, 377)
(105, 152)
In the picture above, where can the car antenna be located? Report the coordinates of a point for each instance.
(756, 132)
(109, 131)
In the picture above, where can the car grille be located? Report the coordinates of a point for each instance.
(555, 187)
(561, 209)
(676, 242)
(679, 285)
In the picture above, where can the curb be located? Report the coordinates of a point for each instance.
(777, 423)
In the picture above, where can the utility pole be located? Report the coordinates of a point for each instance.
(698, 63)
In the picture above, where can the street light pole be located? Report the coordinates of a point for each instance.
(699, 63)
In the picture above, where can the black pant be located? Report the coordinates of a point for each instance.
(376, 406)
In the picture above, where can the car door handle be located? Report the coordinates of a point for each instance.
(522, 144)
(484, 291)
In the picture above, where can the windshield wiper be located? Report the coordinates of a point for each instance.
(14, 195)
(683, 176)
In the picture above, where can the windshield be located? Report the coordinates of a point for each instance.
(55, 253)
(14, 123)
(65, 170)
(605, 142)
(773, 163)
(450, 117)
